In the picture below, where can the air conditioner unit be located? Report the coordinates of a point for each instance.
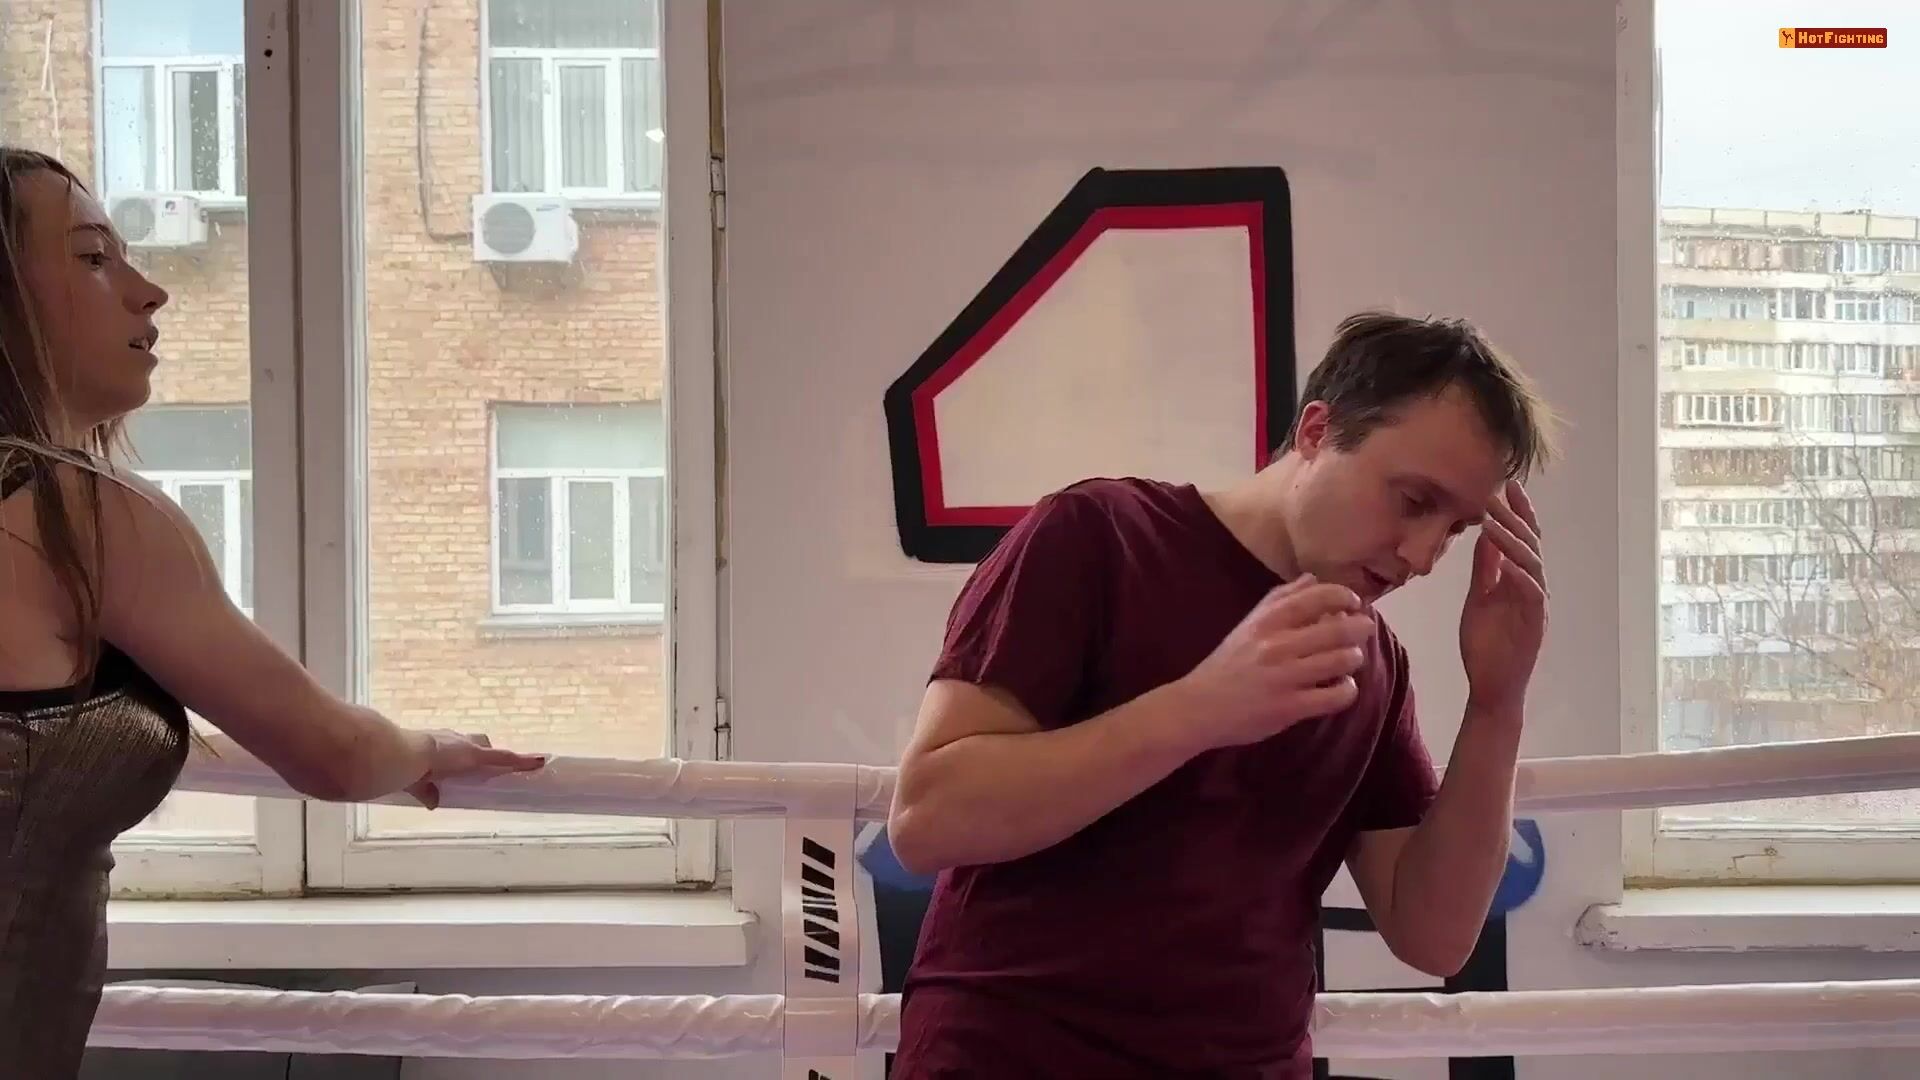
(524, 229)
(159, 219)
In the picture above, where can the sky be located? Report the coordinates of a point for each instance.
(1746, 123)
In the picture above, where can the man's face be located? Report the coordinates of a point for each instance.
(1374, 517)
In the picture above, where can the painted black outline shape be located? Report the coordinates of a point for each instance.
(1256, 197)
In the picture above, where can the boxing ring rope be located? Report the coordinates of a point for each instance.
(671, 788)
(820, 1022)
(1638, 1020)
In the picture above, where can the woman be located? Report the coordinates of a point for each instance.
(113, 622)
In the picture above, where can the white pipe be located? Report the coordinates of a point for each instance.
(670, 788)
(1639, 1020)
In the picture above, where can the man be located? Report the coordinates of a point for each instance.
(1162, 719)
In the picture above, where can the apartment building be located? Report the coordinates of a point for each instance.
(1789, 458)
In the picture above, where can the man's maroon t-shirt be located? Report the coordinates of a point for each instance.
(1173, 936)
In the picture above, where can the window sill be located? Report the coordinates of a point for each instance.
(1757, 918)
(422, 932)
(561, 625)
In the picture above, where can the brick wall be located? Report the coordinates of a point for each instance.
(444, 339)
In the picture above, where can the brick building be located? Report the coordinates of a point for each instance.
(513, 379)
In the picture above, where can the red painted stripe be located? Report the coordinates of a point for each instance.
(1211, 216)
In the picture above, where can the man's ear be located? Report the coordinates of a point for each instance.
(1310, 433)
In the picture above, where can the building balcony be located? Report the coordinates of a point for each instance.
(1721, 487)
(1728, 378)
(1782, 540)
(1830, 331)
(1732, 277)
(1703, 437)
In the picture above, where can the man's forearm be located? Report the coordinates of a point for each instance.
(996, 797)
(1444, 880)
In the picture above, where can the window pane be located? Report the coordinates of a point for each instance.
(500, 587)
(163, 28)
(126, 127)
(246, 545)
(647, 533)
(526, 541)
(563, 438)
(572, 24)
(583, 126)
(1791, 558)
(644, 132)
(239, 129)
(590, 559)
(206, 507)
(196, 130)
(519, 130)
(176, 438)
(193, 438)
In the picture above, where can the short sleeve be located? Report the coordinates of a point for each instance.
(1025, 622)
(1399, 783)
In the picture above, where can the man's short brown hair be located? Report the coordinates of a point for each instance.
(1379, 361)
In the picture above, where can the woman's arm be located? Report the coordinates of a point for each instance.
(162, 603)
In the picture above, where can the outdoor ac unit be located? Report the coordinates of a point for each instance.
(159, 219)
(524, 228)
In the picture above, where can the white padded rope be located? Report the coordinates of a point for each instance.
(1639, 1020)
(1635, 1020)
(731, 789)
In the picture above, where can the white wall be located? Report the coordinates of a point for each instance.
(883, 161)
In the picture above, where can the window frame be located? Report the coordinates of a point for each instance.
(564, 610)
(610, 61)
(306, 354)
(159, 70)
(270, 862)
(1728, 854)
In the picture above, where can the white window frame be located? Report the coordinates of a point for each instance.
(306, 348)
(1729, 854)
(160, 69)
(609, 60)
(564, 608)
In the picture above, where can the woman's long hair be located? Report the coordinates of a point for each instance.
(33, 421)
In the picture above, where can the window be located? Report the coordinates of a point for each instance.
(1726, 410)
(1856, 307)
(579, 504)
(467, 500)
(1787, 613)
(1694, 618)
(1792, 304)
(172, 89)
(168, 114)
(533, 499)
(573, 105)
(202, 457)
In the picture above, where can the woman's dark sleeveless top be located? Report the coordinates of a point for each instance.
(75, 772)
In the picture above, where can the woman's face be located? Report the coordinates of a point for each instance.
(95, 309)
